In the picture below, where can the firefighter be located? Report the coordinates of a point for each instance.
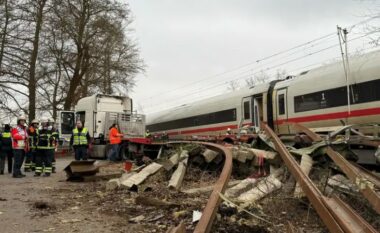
(55, 134)
(115, 140)
(6, 149)
(30, 155)
(45, 146)
(19, 145)
(80, 141)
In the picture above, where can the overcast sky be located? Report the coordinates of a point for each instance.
(183, 42)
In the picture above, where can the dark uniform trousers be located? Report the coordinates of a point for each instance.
(43, 161)
(6, 155)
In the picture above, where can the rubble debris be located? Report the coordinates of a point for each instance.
(171, 162)
(177, 177)
(341, 183)
(264, 187)
(141, 200)
(209, 188)
(196, 216)
(240, 188)
(138, 178)
(306, 165)
(209, 155)
(240, 208)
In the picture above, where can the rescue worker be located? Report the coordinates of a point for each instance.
(19, 145)
(6, 149)
(45, 146)
(30, 155)
(80, 141)
(115, 140)
(54, 146)
(147, 134)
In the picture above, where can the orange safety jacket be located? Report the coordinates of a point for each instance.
(115, 136)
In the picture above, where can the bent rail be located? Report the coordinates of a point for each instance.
(364, 183)
(337, 216)
(209, 212)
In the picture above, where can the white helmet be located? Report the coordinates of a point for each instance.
(35, 121)
(21, 118)
(44, 120)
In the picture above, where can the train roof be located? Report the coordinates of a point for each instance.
(370, 61)
(356, 63)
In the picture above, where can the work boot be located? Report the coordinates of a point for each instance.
(2, 172)
(46, 175)
(18, 176)
(23, 175)
(37, 174)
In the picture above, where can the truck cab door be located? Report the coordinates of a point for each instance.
(66, 124)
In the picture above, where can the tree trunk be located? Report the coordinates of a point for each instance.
(5, 31)
(33, 59)
(78, 70)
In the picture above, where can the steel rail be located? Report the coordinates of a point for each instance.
(366, 187)
(337, 216)
(209, 212)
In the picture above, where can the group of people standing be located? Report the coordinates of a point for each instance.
(34, 144)
(80, 141)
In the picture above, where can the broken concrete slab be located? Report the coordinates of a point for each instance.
(263, 188)
(138, 178)
(172, 161)
(209, 188)
(209, 155)
(177, 177)
(306, 165)
(240, 188)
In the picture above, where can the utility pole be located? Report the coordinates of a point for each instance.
(342, 35)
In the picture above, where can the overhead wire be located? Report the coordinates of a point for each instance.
(281, 64)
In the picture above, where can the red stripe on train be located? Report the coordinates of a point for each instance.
(320, 117)
(331, 116)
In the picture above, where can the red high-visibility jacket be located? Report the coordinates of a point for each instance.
(19, 138)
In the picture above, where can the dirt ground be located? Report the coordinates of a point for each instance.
(50, 204)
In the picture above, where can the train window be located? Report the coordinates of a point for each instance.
(204, 119)
(247, 112)
(281, 104)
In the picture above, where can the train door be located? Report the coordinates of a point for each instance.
(257, 112)
(282, 111)
(246, 114)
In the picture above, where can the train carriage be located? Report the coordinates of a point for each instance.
(317, 98)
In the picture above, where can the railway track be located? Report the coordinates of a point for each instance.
(337, 215)
(366, 183)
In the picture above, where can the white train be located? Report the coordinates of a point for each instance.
(316, 98)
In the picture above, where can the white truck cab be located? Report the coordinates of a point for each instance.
(97, 113)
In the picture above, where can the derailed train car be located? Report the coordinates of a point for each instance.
(316, 98)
